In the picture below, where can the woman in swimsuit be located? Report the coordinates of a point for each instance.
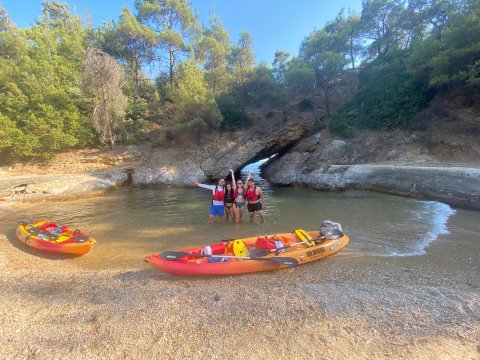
(228, 201)
(239, 195)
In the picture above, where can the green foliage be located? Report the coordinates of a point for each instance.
(300, 76)
(456, 53)
(193, 107)
(204, 83)
(214, 49)
(317, 127)
(176, 26)
(40, 78)
(262, 88)
(388, 97)
(280, 66)
(399, 83)
(160, 142)
(134, 121)
(232, 115)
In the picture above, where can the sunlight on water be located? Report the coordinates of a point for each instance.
(131, 223)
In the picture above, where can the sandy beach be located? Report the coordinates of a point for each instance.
(343, 307)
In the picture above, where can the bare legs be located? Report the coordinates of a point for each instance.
(238, 214)
(260, 215)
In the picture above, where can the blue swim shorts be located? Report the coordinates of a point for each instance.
(217, 210)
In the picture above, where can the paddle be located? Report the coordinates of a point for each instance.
(305, 237)
(332, 234)
(175, 255)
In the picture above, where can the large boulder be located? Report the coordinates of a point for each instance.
(307, 162)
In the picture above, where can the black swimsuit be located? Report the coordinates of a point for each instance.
(228, 198)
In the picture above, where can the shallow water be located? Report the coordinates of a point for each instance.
(131, 223)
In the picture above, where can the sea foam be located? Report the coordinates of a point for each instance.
(434, 216)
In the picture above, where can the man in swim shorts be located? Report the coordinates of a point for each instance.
(217, 209)
(256, 201)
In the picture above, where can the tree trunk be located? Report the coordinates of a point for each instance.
(172, 62)
(314, 106)
(107, 118)
(351, 54)
(327, 100)
(137, 78)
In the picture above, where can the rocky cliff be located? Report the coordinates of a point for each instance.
(415, 161)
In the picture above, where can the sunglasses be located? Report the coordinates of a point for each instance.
(239, 183)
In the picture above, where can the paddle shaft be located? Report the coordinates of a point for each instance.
(175, 255)
(296, 244)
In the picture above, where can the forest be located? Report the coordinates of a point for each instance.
(66, 84)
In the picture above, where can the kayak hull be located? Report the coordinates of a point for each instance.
(195, 266)
(65, 244)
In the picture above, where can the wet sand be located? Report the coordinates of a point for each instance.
(343, 307)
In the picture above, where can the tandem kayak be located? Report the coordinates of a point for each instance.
(48, 236)
(295, 249)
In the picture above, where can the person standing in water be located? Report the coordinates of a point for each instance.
(217, 209)
(228, 201)
(239, 196)
(256, 201)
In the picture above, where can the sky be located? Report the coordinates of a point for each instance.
(274, 24)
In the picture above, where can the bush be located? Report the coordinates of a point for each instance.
(388, 97)
(342, 129)
(305, 104)
(317, 127)
(232, 114)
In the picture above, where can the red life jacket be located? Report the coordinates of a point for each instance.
(219, 195)
(265, 243)
(251, 194)
(48, 226)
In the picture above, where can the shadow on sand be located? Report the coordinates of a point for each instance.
(12, 238)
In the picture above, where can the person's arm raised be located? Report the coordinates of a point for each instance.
(203, 186)
(248, 177)
(234, 184)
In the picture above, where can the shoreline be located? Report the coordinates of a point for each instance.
(456, 186)
(341, 307)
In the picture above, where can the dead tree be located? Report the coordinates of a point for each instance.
(104, 79)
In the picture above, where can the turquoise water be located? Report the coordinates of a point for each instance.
(131, 223)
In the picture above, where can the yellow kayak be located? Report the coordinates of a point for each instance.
(48, 236)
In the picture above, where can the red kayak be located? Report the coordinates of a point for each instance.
(296, 248)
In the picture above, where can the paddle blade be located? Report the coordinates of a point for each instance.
(259, 252)
(239, 248)
(305, 237)
(174, 255)
(285, 261)
(34, 230)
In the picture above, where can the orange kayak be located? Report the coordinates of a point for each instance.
(47, 236)
(194, 262)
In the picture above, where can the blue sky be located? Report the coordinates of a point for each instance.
(280, 24)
